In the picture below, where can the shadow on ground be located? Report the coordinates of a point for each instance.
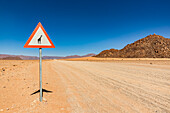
(43, 90)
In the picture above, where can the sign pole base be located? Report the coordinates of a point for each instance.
(40, 57)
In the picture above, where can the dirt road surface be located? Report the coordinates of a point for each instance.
(85, 87)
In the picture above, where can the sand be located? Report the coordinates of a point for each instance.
(112, 86)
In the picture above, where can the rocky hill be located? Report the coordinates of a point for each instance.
(152, 46)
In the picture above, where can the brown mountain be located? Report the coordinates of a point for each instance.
(152, 46)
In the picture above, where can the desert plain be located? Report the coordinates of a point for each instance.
(86, 85)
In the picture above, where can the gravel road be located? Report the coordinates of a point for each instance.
(93, 87)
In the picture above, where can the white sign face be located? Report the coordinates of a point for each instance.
(39, 38)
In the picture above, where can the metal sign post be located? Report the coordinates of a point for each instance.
(39, 39)
(40, 57)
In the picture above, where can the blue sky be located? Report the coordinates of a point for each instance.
(81, 26)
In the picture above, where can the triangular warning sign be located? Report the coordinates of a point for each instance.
(39, 39)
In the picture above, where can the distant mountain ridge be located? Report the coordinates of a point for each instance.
(66, 57)
(16, 57)
(152, 46)
(11, 58)
(22, 57)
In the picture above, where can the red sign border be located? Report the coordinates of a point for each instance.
(39, 46)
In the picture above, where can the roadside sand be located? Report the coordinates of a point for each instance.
(161, 61)
(128, 86)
